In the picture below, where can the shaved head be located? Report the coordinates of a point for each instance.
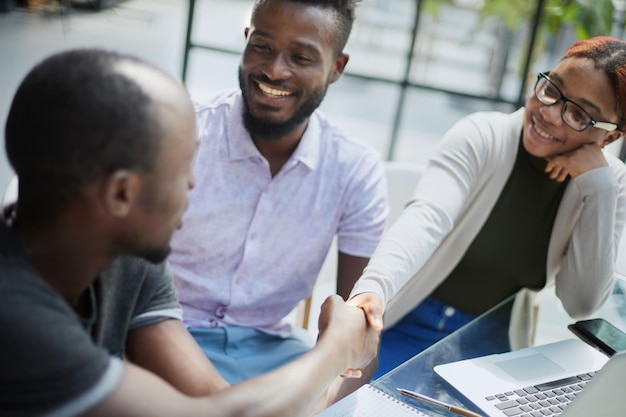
(82, 114)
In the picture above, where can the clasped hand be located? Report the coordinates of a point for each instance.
(575, 162)
(349, 328)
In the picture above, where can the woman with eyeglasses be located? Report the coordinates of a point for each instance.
(509, 202)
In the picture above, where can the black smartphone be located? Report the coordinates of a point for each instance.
(600, 334)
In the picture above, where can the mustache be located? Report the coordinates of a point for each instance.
(274, 83)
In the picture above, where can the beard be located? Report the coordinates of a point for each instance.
(153, 250)
(273, 130)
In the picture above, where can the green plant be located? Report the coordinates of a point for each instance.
(587, 18)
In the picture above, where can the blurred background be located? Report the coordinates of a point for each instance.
(415, 66)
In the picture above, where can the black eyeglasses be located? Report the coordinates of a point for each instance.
(572, 114)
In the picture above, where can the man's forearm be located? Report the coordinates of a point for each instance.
(342, 387)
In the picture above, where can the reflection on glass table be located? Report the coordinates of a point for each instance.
(487, 334)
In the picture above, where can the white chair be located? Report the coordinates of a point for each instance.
(402, 178)
(10, 193)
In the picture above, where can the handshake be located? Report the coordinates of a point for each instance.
(352, 329)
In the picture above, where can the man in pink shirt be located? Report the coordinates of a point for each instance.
(275, 183)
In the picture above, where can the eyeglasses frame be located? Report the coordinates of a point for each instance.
(608, 126)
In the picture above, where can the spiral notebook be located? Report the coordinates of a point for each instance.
(369, 401)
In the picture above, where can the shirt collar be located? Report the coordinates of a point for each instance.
(240, 145)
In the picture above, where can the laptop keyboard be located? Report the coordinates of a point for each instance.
(549, 399)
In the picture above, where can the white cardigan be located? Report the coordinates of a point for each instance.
(452, 201)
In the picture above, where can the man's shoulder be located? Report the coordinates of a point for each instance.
(49, 341)
(19, 277)
(337, 139)
(222, 101)
(133, 271)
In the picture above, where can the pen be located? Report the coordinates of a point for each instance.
(452, 408)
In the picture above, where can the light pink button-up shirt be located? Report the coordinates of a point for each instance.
(251, 245)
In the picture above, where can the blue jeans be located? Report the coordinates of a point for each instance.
(240, 353)
(428, 323)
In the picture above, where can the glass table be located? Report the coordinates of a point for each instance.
(487, 334)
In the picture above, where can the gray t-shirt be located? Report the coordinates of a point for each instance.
(55, 361)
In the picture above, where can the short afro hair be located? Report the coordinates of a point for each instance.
(74, 118)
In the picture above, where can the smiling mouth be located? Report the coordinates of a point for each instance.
(543, 133)
(272, 91)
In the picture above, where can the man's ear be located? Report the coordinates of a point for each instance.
(119, 192)
(338, 66)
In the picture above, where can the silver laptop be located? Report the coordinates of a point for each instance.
(525, 382)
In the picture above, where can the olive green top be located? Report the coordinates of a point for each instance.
(510, 251)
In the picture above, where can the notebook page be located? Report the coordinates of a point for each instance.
(369, 401)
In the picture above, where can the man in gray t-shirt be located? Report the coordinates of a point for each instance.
(107, 310)
(102, 145)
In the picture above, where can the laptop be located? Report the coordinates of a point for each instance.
(548, 377)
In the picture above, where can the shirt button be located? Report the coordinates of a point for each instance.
(449, 311)
(220, 312)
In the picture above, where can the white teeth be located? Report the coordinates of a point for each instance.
(273, 92)
(543, 134)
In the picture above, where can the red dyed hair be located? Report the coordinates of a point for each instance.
(609, 55)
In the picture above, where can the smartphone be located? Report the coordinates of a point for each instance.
(600, 334)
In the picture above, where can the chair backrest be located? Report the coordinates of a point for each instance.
(402, 178)
(10, 193)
